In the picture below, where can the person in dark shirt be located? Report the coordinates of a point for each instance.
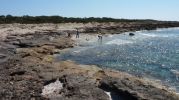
(69, 35)
(77, 33)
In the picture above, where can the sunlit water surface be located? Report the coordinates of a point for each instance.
(151, 54)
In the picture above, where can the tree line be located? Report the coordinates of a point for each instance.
(59, 19)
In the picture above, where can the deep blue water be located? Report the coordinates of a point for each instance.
(151, 54)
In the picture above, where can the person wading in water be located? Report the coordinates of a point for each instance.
(100, 37)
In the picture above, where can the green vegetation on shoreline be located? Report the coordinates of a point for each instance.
(59, 19)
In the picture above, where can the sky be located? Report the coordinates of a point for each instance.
(128, 9)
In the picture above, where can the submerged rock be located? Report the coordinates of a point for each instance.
(131, 34)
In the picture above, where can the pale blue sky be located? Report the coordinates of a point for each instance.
(132, 9)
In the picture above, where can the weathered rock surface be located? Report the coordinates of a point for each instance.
(117, 28)
(19, 70)
(133, 89)
(27, 64)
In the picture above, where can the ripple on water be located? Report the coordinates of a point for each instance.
(148, 54)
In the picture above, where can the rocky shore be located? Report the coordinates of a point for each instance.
(28, 66)
(93, 27)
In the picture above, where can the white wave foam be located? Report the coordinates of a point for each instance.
(160, 30)
(150, 35)
(119, 42)
(77, 51)
(175, 72)
(157, 35)
(110, 36)
(167, 36)
(177, 93)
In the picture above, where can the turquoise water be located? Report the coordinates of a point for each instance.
(151, 54)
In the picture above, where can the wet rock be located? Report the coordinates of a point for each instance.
(132, 89)
(131, 34)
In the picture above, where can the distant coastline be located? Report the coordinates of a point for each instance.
(26, 19)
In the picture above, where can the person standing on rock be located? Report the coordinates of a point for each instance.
(69, 34)
(77, 33)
